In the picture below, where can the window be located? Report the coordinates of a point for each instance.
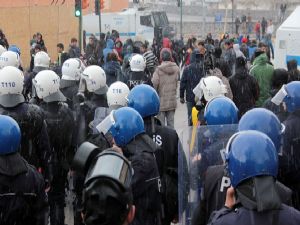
(146, 21)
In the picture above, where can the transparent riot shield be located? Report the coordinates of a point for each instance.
(202, 147)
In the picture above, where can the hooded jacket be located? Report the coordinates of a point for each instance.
(245, 90)
(113, 72)
(108, 49)
(165, 83)
(191, 76)
(263, 72)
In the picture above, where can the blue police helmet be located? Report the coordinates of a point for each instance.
(221, 110)
(249, 154)
(265, 121)
(292, 100)
(144, 99)
(10, 135)
(15, 49)
(128, 123)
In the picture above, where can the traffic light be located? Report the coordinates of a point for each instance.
(102, 4)
(178, 3)
(78, 8)
(97, 7)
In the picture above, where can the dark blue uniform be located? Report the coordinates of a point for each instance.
(22, 193)
(35, 147)
(146, 180)
(240, 215)
(168, 141)
(289, 163)
(60, 125)
(216, 184)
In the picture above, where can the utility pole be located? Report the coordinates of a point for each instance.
(203, 19)
(78, 13)
(181, 34)
(232, 20)
(99, 4)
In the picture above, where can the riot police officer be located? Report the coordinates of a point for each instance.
(145, 100)
(208, 88)
(107, 196)
(252, 164)
(116, 98)
(137, 75)
(60, 125)
(92, 89)
(35, 141)
(127, 128)
(71, 74)
(217, 182)
(41, 62)
(22, 189)
(289, 162)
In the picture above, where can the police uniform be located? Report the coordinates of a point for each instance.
(146, 180)
(135, 78)
(60, 125)
(242, 215)
(216, 184)
(22, 192)
(69, 88)
(87, 113)
(167, 139)
(35, 147)
(289, 161)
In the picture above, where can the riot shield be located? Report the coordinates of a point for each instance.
(202, 147)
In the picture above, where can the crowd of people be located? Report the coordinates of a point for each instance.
(106, 118)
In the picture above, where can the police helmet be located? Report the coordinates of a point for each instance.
(15, 49)
(46, 84)
(107, 196)
(93, 79)
(117, 94)
(292, 99)
(220, 111)
(137, 63)
(72, 69)
(10, 135)
(9, 58)
(124, 124)
(11, 86)
(265, 121)
(144, 99)
(249, 154)
(42, 59)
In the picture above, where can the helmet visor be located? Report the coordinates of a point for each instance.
(280, 96)
(106, 124)
(11, 100)
(113, 165)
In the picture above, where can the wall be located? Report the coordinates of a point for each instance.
(56, 23)
(20, 19)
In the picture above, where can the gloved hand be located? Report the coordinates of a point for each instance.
(182, 100)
